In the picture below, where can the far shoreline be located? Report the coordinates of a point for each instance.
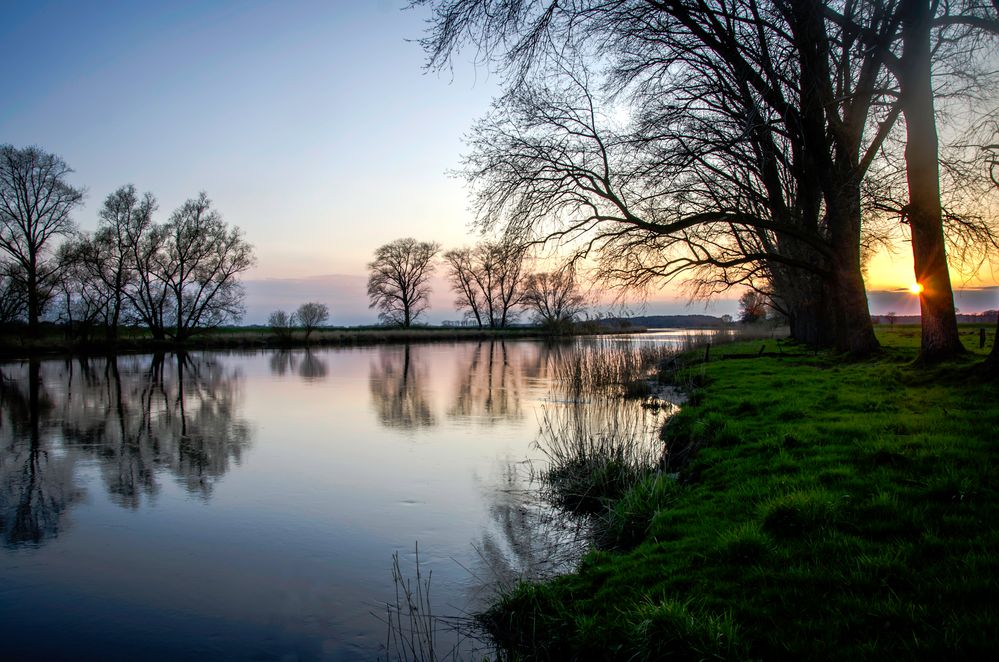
(54, 343)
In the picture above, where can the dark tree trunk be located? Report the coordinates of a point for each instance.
(830, 163)
(853, 327)
(805, 300)
(34, 306)
(112, 330)
(848, 298)
(991, 364)
(940, 338)
(810, 323)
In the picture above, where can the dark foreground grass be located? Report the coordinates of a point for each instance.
(833, 510)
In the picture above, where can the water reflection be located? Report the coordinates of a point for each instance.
(312, 368)
(283, 362)
(37, 482)
(398, 392)
(528, 539)
(309, 365)
(136, 417)
(490, 384)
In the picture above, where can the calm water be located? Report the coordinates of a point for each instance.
(247, 505)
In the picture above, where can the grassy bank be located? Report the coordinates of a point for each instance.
(16, 344)
(831, 510)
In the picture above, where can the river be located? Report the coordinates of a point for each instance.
(247, 505)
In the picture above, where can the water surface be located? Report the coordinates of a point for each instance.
(247, 505)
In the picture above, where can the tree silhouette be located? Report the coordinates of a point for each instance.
(35, 206)
(488, 281)
(311, 315)
(108, 257)
(200, 264)
(553, 297)
(397, 285)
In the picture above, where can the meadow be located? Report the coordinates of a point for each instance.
(804, 507)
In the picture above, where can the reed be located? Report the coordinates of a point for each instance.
(415, 633)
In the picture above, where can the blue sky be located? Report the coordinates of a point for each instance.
(311, 125)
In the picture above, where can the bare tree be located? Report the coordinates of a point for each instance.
(82, 300)
(752, 307)
(200, 263)
(148, 294)
(553, 297)
(923, 42)
(461, 276)
(748, 143)
(488, 280)
(35, 206)
(502, 279)
(397, 285)
(108, 258)
(311, 315)
(281, 324)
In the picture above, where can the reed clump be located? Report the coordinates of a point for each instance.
(595, 451)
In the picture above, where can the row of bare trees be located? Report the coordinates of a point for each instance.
(491, 283)
(736, 142)
(174, 278)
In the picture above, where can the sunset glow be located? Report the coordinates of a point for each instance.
(916, 288)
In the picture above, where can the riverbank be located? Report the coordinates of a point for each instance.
(55, 342)
(829, 510)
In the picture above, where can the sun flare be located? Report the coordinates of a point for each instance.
(916, 288)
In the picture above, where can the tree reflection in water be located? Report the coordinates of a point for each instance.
(490, 386)
(309, 365)
(283, 362)
(37, 481)
(312, 368)
(397, 389)
(529, 539)
(137, 416)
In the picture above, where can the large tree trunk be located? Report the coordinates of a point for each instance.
(940, 338)
(804, 297)
(830, 163)
(991, 364)
(853, 326)
(112, 330)
(848, 297)
(34, 303)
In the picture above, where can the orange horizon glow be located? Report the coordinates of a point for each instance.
(893, 270)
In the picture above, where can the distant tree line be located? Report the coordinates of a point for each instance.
(491, 282)
(174, 278)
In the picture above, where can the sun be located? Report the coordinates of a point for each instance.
(916, 288)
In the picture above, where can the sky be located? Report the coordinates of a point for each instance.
(311, 125)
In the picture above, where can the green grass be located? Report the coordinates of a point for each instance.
(833, 510)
